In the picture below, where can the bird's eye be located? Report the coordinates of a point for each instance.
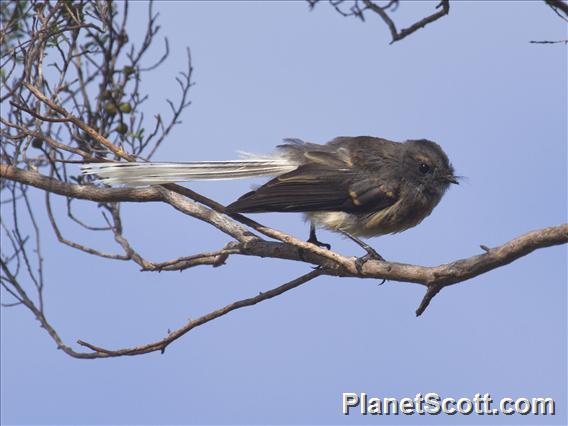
(424, 168)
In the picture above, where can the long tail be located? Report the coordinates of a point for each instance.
(159, 173)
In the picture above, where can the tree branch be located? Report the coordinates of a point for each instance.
(399, 35)
(435, 278)
(558, 6)
(82, 192)
(162, 344)
(119, 152)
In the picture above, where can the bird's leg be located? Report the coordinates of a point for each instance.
(371, 253)
(314, 239)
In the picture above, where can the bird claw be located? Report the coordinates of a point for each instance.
(319, 243)
(371, 255)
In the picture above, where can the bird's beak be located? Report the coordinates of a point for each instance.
(452, 179)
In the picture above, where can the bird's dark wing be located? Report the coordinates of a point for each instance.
(317, 187)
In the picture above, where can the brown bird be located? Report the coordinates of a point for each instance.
(359, 186)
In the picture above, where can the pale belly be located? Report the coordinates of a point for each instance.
(386, 221)
(346, 222)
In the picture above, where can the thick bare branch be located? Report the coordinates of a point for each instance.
(434, 277)
(82, 192)
(218, 220)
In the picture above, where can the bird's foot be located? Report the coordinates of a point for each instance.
(360, 262)
(371, 254)
(302, 252)
(314, 239)
(318, 243)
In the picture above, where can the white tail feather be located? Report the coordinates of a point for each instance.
(159, 173)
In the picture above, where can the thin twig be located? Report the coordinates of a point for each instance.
(396, 35)
(162, 344)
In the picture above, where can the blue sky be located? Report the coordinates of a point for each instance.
(266, 71)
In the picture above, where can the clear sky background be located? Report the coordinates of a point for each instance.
(266, 71)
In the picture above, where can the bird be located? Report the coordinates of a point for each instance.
(359, 186)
